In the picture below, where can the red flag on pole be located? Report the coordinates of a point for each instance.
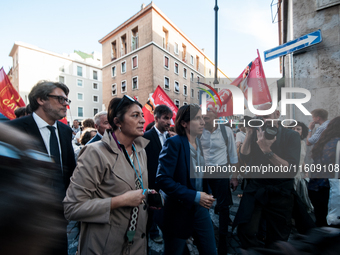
(158, 97)
(9, 97)
(253, 77)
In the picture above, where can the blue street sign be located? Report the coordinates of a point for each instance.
(297, 44)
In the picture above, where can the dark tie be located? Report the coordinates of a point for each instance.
(54, 146)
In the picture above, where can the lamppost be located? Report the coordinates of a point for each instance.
(216, 32)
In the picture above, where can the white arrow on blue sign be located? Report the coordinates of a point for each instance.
(297, 44)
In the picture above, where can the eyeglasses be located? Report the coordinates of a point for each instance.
(124, 99)
(61, 99)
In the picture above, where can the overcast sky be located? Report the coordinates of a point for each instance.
(64, 26)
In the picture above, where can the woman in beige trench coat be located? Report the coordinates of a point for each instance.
(109, 184)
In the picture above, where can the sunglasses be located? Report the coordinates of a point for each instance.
(125, 98)
(61, 99)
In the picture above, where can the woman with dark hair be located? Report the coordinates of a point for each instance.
(300, 183)
(323, 153)
(107, 190)
(185, 191)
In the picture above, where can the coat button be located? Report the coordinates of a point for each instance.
(143, 235)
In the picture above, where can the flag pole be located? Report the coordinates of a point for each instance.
(216, 34)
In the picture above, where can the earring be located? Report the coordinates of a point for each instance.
(119, 129)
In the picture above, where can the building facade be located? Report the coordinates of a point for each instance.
(149, 50)
(315, 68)
(81, 72)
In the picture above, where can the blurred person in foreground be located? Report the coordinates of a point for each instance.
(31, 215)
(48, 101)
(107, 193)
(186, 209)
(323, 153)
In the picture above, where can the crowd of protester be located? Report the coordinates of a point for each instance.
(126, 184)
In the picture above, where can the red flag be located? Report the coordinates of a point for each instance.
(64, 120)
(9, 97)
(253, 77)
(226, 109)
(158, 97)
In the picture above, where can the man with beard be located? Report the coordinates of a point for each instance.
(48, 101)
(157, 136)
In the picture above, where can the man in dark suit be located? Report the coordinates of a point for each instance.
(48, 101)
(157, 136)
(101, 124)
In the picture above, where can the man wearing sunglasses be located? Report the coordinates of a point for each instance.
(48, 101)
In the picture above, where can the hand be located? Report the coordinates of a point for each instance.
(152, 191)
(263, 142)
(249, 130)
(311, 125)
(134, 197)
(233, 183)
(206, 200)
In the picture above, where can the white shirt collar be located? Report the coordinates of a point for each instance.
(41, 123)
(159, 132)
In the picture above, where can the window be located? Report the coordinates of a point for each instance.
(113, 50)
(166, 83)
(197, 63)
(113, 71)
(61, 79)
(134, 62)
(176, 101)
(191, 76)
(62, 69)
(192, 93)
(185, 90)
(176, 68)
(198, 78)
(192, 59)
(123, 48)
(198, 95)
(134, 83)
(95, 86)
(123, 88)
(176, 87)
(185, 103)
(184, 53)
(166, 62)
(165, 39)
(80, 96)
(95, 111)
(95, 98)
(114, 89)
(134, 39)
(80, 112)
(123, 65)
(184, 72)
(79, 83)
(176, 48)
(95, 75)
(209, 71)
(79, 71)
